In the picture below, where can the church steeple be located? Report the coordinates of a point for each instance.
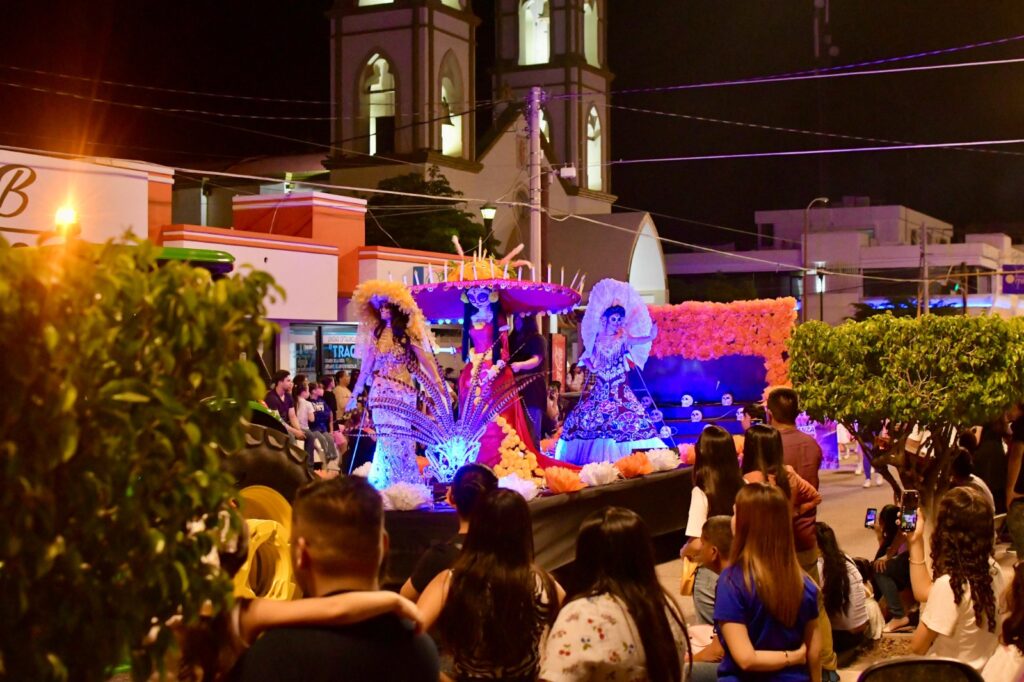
(560, 46)
(403, 78)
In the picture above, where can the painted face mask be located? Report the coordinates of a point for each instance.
(479, 297)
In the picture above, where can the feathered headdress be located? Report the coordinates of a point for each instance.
(604, 295)
(396, 294)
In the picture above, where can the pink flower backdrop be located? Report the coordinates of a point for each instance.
(706, 331)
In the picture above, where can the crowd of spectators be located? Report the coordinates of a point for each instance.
(775, 596)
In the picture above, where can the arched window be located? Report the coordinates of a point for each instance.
(545, 126)
(534, 32)
(452, 106)
(378, 104)
(371, 3)
(591, 22)
(594, 160)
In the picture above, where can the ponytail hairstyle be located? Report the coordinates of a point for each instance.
(763, 548)
(835, 579)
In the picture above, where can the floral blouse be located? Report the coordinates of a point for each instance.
(594, 638)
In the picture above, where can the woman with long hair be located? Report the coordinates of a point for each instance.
(891, 567)
(842, 590)
(716, 480)
(763, 463)
(393, 343)
(492, 607)
(1007, 663)
(767, 608)
(622, 625)
(962, 592)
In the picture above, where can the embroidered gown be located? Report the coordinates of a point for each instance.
(394, 460)
(609, 422)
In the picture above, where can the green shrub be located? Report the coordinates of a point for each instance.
(106, 453)
(938, 373)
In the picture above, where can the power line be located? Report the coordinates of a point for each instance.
(783, 129)
(812, 152)
(827, 70)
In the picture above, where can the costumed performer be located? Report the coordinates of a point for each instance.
(392, 341)
(609, 422)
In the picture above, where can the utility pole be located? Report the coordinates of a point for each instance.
(533, 125)
(925, 300)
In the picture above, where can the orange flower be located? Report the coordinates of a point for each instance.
(634, 465)
(562, 480)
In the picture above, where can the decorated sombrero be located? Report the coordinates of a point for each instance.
(441, 296)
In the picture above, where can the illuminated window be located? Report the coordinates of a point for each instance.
(378, 94)
(545, 127)
(454, 4)
(370, 3)
(451, 127)
(591, 22)
(594, 160)
(534, 32)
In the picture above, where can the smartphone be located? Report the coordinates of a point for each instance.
(909, 503)
(869, 518)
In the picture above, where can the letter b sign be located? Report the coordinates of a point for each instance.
(13, 181)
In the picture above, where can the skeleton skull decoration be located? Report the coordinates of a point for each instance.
(727, 399)
(667, 432)
(687, 400)
(696, 416)
(657, 416)
(740, 413)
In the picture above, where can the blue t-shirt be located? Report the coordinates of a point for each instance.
(734, 603)
(321, 415)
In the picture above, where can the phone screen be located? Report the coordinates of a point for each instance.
(908, 510)
(869, 517)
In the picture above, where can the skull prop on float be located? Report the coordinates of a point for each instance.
(740, 413)
(727, 399)
(667, 432)
(696, 416)
(687, 400)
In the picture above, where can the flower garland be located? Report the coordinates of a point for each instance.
(515, 458)
(706, 331)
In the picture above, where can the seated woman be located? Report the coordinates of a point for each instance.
(1007, 663)
(622, 625)
(842, 590)
(494, 604)
(961, 606)
(766, 608)
(892, 572)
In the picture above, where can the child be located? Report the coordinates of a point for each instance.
(1007, 663)
(323, 422)
(716, 542)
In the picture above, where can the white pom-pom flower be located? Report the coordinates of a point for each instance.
(363, 470)
(407, 496)
(663, 460)
(527, 488)
(598, 473)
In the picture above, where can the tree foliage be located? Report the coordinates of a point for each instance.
(940, 374)
(422, 223)
(107, 456)
(902, 306)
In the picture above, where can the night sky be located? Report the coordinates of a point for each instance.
(280, 50)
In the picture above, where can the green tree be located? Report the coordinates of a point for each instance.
(111, 489)
(939, 373)
(422, 223)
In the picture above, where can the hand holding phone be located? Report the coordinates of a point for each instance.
(869, 517)
(909, 502)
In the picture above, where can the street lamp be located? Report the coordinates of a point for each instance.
(66, 221)
(487, 212)
(803, 256)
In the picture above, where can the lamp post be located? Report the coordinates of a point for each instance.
(66, 222)
(487, 212)
(803, 256)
